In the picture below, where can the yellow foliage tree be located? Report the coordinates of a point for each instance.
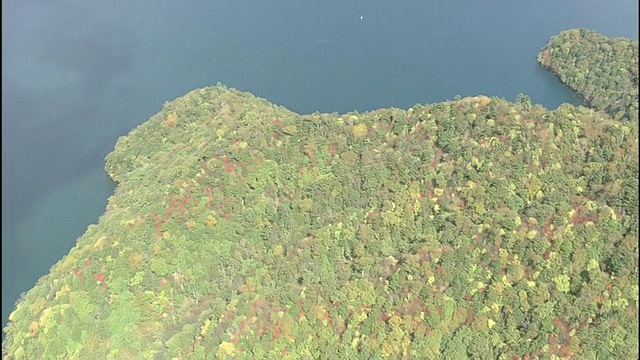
(360, 130)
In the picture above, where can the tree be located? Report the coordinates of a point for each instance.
(524, 101)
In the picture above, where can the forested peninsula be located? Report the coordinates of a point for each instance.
(475, 228)
(603, 71)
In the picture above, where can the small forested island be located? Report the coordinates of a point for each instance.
(475, 228)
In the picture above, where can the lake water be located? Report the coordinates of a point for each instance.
(76, 75)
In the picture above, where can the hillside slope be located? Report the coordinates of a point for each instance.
(239, 229)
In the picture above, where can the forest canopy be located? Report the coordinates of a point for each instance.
(474, 228)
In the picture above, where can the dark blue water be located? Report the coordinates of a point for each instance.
(76, 75)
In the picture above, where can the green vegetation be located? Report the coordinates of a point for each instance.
(603, 71)
(475, 228)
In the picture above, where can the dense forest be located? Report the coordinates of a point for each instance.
(474, 228)
(602, 70)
